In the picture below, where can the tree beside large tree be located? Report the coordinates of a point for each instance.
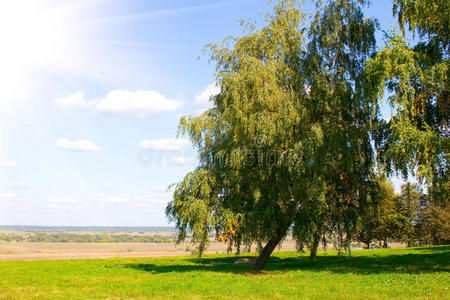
(341, 40)
(382, 221)
(416, 139)
(409, 207)
(287, 143)
(433, 222)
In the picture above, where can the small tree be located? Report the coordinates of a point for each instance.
(408, 207)
(433, 224)
(381, 221)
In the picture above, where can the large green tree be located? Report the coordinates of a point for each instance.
(341, 40)
(287, 143)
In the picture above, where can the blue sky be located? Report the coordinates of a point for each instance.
(72, 151)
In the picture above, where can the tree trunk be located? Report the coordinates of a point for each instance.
(315, 245)
(265, 253)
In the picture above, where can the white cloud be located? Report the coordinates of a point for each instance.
(7, 196)
(164, 144)
(179, 174)
(78, 145)
(161, 188)
(136, 104)
(144, 201)
(11, 199)
(153, 198)
(179, 160)
(202, 100)
(18, 184)
(9, 164)
(148, 199)
(107, 188)
(73, 100)
(63, 199)
(115, 200)
(111, 199)
(140, 103)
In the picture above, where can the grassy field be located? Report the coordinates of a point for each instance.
(370, 274)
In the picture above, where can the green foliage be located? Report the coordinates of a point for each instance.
(429, 17)
(433, 222)
(419, 273)
(287, 141)
(408, 208)
(411, 217)
(416, 138)
(341, 40)
(196, 208)
(382, 220)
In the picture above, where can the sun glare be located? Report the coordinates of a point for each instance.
(32, 36)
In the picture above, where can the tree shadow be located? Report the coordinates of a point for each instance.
(426, 249)
(426, 262)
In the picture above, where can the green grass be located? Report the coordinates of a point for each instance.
(369, 274)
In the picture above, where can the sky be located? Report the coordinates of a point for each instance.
(91, 95)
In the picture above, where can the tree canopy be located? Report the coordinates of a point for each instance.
(287, 142)
(291, 140)
(381, 221)
(416, 139)
(410, 217)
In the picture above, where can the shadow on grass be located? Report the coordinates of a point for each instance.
(431, 249)
(435, 259)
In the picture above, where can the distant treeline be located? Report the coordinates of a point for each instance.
(85, 237)
(89, 228)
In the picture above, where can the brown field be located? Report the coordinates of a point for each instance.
(45, 250)
(34, 251)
